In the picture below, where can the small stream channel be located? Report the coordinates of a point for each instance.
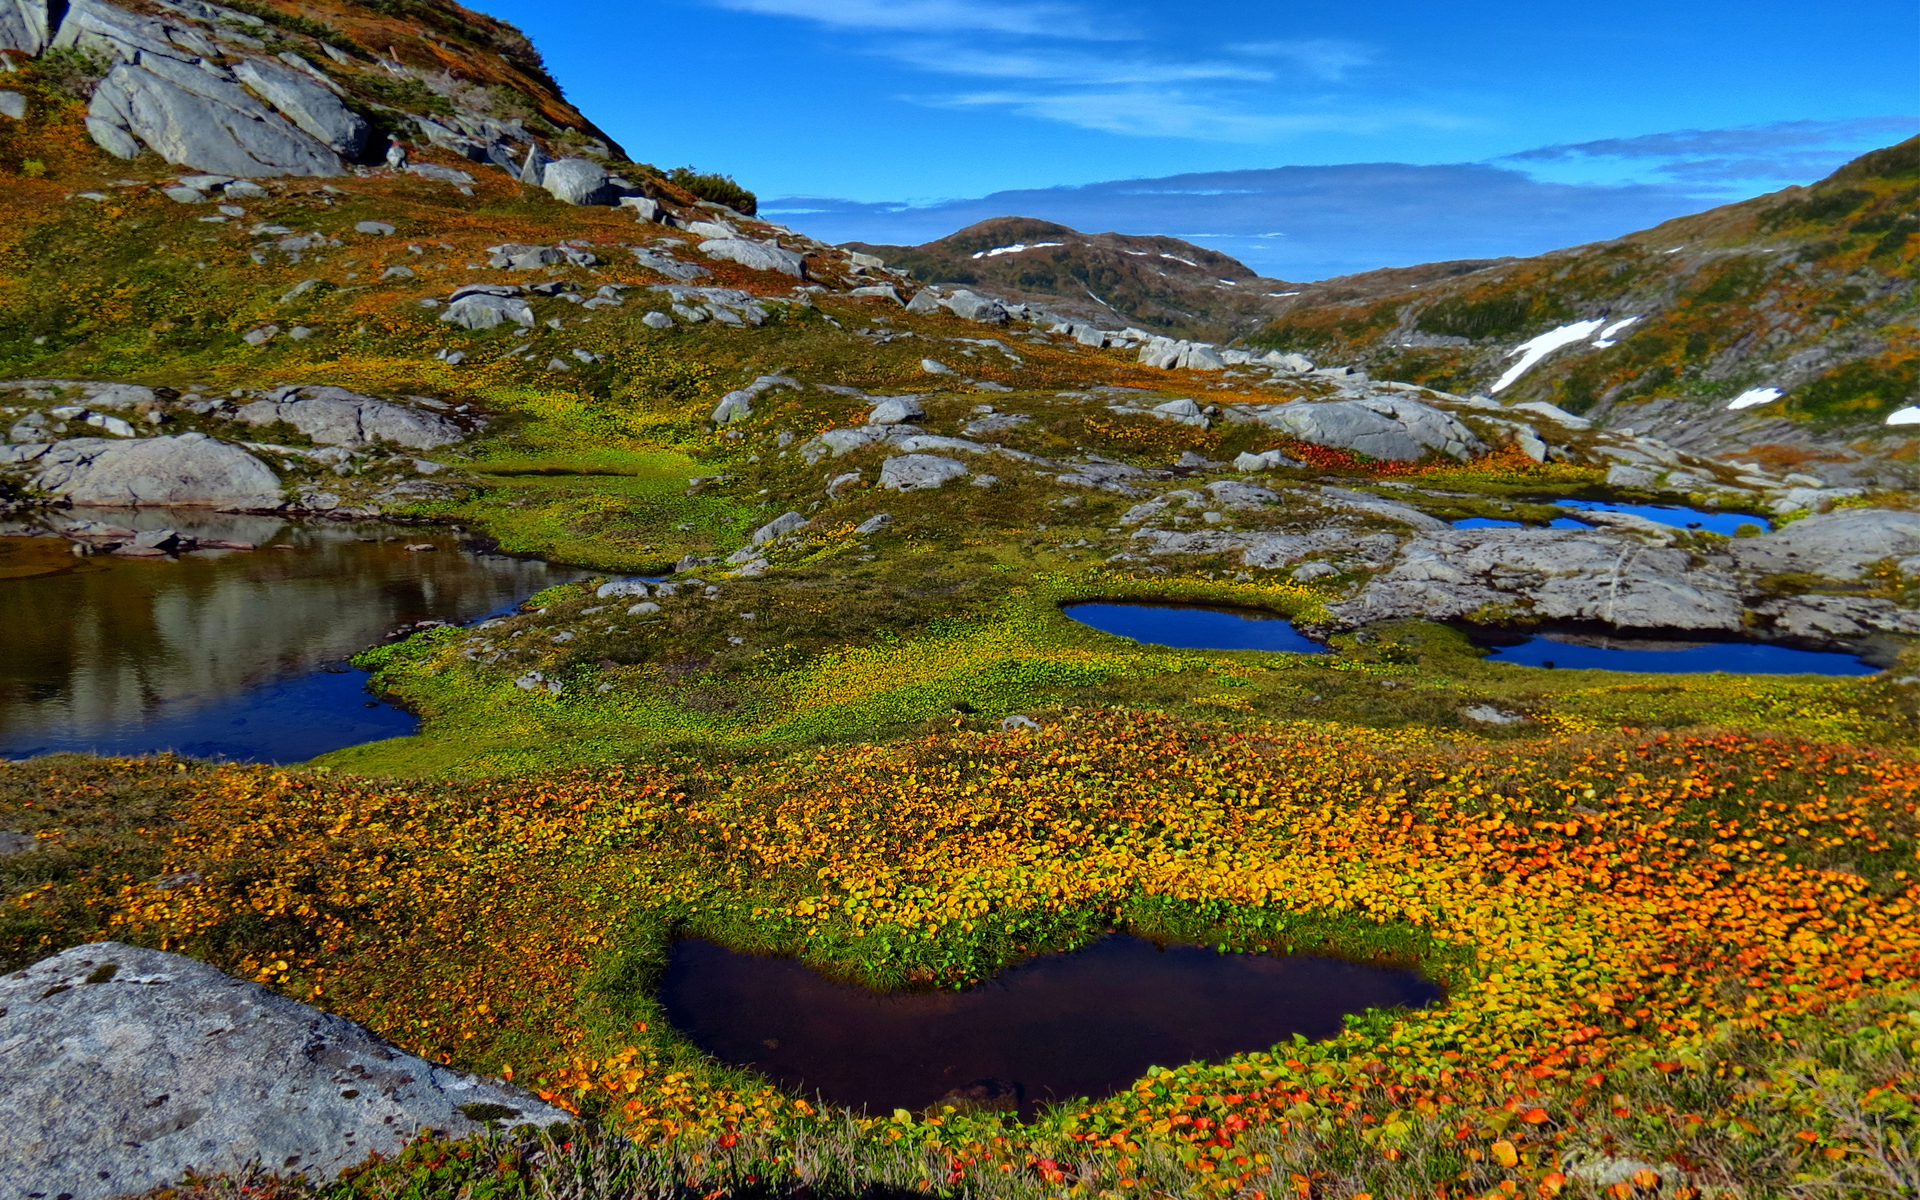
(222, 653)
(1051, 1028)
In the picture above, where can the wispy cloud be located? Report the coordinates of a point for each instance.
(1175, 113)
(1323, 58)
(1741, 158)
(1069, 66)
(943, 16)
(1067, 62)
(1746, 139)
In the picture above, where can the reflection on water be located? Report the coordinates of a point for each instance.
(1191, 627)
(233, 654)
(1566, 651)
(1678, 516)
(1051, 1028)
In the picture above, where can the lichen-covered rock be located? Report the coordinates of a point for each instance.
(307, 103)
(1594, 576)
(191, 469)
(335, 416)
(579, 181)
(198, 117)
(122, 1069)
(1391, 429)
(1836, 545)
(756, 256)
(918, 472)
(25, 25)
(483, 310)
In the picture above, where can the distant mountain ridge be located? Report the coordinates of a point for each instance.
(1159, 283)
(1777, 323)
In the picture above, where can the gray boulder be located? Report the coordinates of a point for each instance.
(1835, 545)
(1269, 551)
(13, 104)
(1390, 429)
(756, 256)
(123, 1069)
(335, 416)
(191, 469)
(579, 181)
(519, 257)
(307, 103)
(1367, 503)
(1823, 618)
(1228, 493)
(897, 410)
(668, 265)
(1597, 576)
(738, 405)
(25, 25)
(779, 527)
(919, 472)
(975, 307)
(191, 116)
(483, 310)
(925, 302)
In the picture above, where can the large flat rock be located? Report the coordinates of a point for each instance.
(1598, 576)
(1837, 545)
(335, 416)
(191, 469)
(123, 1068)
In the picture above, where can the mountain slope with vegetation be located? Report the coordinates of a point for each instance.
(1808, 293)
(1160, 284)
(818, 694)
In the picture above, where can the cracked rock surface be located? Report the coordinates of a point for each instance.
(122, 1068)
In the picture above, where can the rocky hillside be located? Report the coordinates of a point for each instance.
(1781, 328)
(1161, 284)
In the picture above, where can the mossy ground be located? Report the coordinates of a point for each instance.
(1641, 916)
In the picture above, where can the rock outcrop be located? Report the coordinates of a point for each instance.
(190, 469)
(756, 256)
(335, 416)
(122, 1069)
(1836, 545)
(1530, 575)
(1391, 429)
(25, 25)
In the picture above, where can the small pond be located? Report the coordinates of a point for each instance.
(1054, 1027)
(1678, 516)
(1193, 627)
(225, 653)
(1567, 651)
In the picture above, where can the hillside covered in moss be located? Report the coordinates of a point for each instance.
(817, 690)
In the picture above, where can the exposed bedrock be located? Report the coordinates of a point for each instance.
(122, 1069)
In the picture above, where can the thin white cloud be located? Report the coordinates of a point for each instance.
(1323, 58)
(1068, 67)
(1172, 114)
(942, 16)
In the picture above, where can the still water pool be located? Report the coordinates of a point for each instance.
(1678, 516)
(1190, 627)
(1575, 652)
(225, 654)
(1052, 1028)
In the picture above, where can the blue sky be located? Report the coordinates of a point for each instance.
(892, 109)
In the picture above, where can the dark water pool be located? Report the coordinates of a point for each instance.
(1192, 627)
(1052, 1028)
(1679, 517)
(1576, 652)
(225, 654)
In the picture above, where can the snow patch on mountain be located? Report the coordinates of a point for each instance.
(1533, 351)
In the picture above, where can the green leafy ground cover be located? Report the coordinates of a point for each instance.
(827, 776)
